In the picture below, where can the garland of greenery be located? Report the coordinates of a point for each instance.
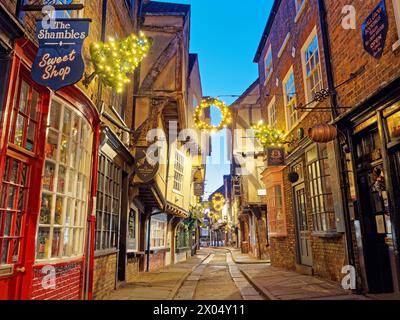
(199, 114)
(114, 60)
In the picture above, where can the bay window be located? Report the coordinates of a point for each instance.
(65, 184)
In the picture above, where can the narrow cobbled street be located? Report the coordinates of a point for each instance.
(225, 274)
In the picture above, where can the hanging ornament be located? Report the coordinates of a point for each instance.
(199, 114)
(269, 136)
(114, 60)
(218, 201)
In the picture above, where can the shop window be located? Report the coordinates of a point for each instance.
(393, 123)
(179, 169)
(276, 213)
(312, 66)
(182, 237)
(289, 90)
(108, 204)
(158, 234)
(320, 189)
(25, 117)
(268, 64)
(272, 117)
(65, 184)
(13, 206)
(133, 230)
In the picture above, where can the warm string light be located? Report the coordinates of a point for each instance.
(223, 108)
(269, 136)
(114, 60)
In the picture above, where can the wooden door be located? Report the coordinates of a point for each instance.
(303, 232)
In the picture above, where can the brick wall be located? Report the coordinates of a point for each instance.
(68, 282)
(157, 261)
(328, 254)
(132, 269)
(348, 54)
(105, 269)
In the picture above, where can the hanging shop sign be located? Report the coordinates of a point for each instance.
(59, 61)
(374, 31)
(145, 168)
(198, 189)
(323, 133)
(276, 157)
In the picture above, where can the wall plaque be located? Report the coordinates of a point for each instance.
(374, 31)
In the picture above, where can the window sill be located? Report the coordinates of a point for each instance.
(300, 12)
(396, 45)
(107, 252)
(159, 250)
(327, 234)
(278, 235)
(181, 250)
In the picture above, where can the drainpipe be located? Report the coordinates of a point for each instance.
(333, 101)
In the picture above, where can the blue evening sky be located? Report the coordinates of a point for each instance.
(225, 34)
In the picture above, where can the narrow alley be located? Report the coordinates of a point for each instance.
(220, 274)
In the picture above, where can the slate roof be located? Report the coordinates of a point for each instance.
(165, 8)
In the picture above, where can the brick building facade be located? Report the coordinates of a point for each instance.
(304, 215)
(370, 124)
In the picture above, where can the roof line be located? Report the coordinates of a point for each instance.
(267, 29)
(247, 91)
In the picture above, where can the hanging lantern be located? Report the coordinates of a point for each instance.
(323, 133)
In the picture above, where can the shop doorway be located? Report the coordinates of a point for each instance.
(303, 232)
(18, 178)
(374, 210)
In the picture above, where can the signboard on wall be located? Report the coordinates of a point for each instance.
(276, 157)
(374, 31)
(59, 61)
(198, 189)
(144, 169)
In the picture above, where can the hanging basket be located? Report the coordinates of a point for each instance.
(323, 133)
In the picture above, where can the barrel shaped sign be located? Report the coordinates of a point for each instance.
(59, 61)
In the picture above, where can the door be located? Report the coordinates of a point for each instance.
(303, 232)
(15, 185)
(375, 211)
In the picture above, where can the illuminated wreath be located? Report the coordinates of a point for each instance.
(207, 103)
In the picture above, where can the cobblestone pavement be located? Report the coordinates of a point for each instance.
(226, 274)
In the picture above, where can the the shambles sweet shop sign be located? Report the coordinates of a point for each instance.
(59, 61)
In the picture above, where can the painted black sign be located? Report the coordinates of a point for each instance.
(198, 189)
(145, 167)
(59, 61)
(276, 157)
(374, 31)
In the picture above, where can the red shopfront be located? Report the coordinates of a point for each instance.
(48, 166)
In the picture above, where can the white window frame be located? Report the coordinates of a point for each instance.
(300, 6)
(76, 227)
(396, 7)
(318, 68)
(290, 121)
(272, 113)
(179, 172)
(136, 236)
(158, 233)
(268, 69)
